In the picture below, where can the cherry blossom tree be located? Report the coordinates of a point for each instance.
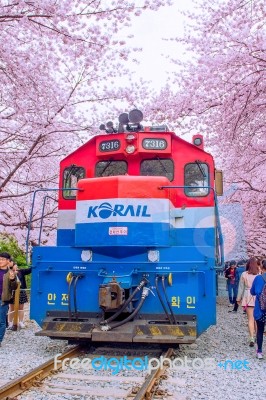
(221, 92)
(58, 64)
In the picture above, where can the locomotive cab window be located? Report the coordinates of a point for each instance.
(71, 176)
(110, 168)
(197, 176)
(158, 167)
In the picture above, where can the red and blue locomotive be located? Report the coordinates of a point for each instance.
(138, 240)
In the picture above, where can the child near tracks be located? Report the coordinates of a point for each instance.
(259, 315)
(21, 273)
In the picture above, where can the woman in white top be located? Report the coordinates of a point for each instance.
(245, 298)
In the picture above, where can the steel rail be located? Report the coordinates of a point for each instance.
(147, 389)
(25, 382)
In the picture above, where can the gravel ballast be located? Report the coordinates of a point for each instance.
(226, 343)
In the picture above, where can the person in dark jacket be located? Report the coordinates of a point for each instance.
(8, 284)
(232, 286)
(239, 270)
(21, 273)
(259, 315)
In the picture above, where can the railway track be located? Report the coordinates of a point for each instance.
(32, 378)
(47, 379)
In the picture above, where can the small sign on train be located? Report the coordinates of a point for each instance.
(118, 230)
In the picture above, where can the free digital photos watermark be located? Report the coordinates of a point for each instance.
(117, 364)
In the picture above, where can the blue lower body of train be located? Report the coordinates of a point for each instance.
(142, 294)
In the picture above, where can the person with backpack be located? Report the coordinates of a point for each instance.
(258, 289)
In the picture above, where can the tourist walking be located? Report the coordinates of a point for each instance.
(245, 297)
(259, 314)
(230, 275)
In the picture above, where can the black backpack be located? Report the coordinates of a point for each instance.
(262, 297)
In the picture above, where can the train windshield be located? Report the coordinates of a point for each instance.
(197, 176)
(71, 176)
(110, 168)
(158, 167)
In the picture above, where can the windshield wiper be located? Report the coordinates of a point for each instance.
(69, 173)
(201, 168)
(162, 164)
(105, 168)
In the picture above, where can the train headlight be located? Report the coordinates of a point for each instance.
(86, 255)
(153, 255)
(130, 149)
(131, 137)
(197, 141)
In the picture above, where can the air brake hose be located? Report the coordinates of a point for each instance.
(161, 300)
(115, 315)
(167, 300)
(145, 293)
(70, 279)
(75, 295)
(69, 297)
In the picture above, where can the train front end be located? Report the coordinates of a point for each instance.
(138, 242)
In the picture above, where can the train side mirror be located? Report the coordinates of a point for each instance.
(219, 182)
